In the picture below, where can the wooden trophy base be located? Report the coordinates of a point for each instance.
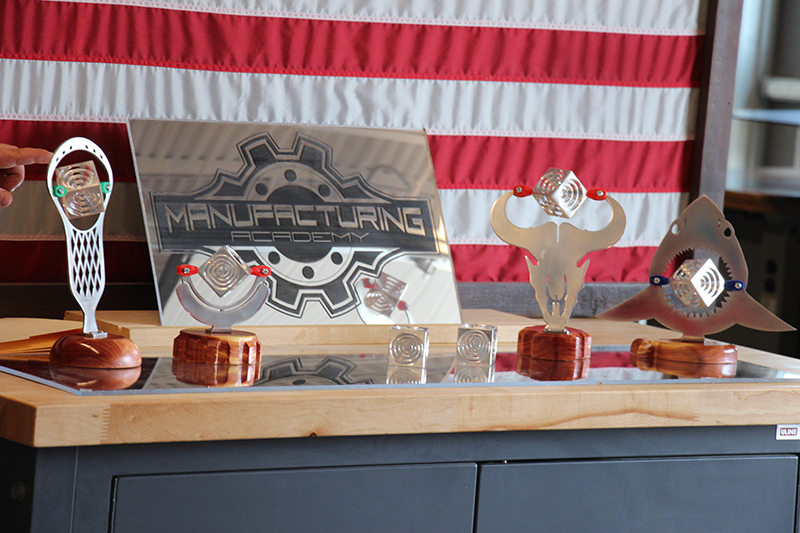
(83, 351)
(215, 375)
(234, 348)
(546, 356)
(708, 359)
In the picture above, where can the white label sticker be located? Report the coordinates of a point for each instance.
(787, 432)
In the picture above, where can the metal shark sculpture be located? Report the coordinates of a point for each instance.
(557, 278)
(700, 229)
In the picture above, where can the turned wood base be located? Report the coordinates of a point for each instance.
(234, 348)
(553, 356)
(709, 359)
(215, 375)
(83, 351)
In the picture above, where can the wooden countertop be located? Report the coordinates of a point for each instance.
(41, 416)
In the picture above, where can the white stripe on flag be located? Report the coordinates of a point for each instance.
(103, 92)
(662, 17)
(649, 215)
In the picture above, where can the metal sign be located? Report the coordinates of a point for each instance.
(334, 212)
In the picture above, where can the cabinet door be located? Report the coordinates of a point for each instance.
(408, 498)
(725, 494)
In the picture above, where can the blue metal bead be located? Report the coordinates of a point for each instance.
(734, 285)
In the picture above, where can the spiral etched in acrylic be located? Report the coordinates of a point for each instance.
(572, 195)
(474, 346)
(83, 203)
(407, 348)
(77, 176)
(224, 270)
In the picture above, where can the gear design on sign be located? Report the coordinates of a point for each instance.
(320, 231)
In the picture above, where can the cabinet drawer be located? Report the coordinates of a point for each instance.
(409, 498)
(726, 494)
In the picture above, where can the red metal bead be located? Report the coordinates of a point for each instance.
(522, 190)
(187, 270)
(261, 271)
(596, 194)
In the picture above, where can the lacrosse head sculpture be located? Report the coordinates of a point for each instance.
(556, 278)
(81, 199)
(221, 344)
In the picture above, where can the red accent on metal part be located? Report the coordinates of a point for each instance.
(402, 305)
(187, 270)
(596, 194)
(522, 190)
(368, 284)
(261, 271)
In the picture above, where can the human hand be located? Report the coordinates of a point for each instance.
(12, 167)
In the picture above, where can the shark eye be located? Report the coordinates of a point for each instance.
(675, 229)
(728, 232)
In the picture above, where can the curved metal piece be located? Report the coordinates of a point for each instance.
(701, 226)
(85, 256)
(557, 278)
(223, 319)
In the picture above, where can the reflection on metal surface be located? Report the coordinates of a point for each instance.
(210, 375)
(329, 371)
(98, 379)
(326, 208)
(345, 370)
(404, 375)
(384, 295)
(557, 278)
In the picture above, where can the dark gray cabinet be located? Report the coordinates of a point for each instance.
(728, 479)
(739, 493)
(383, 499)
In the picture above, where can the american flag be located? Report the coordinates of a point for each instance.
(504, 90)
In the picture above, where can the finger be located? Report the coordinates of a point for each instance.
(11, 156)
(5, 198)
(12, 178)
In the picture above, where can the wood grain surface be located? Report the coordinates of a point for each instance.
(536, 343)
(234, 348)
(37, 415)
(83, 351)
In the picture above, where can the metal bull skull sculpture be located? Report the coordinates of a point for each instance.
(557, 278)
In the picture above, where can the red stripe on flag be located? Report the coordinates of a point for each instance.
(46, 262)
(460, 162)
(507, 263)
(112, 138)
(192, 40)
(467, 162)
